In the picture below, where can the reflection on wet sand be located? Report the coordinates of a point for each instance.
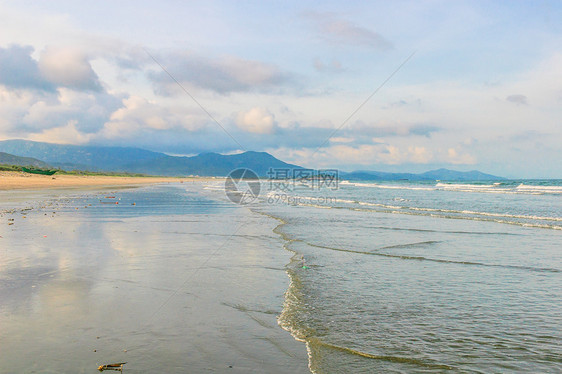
(152, 284)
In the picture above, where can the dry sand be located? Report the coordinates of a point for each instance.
(12, 180)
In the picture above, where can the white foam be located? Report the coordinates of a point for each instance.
(499, 188)
(469, 186)
(547, 189)
(423, 209)
(392, 187)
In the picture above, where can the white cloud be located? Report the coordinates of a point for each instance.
(343, 32)
(368, 155)
(223, 75)
(341, 139)
(68, 67)
(256, 120)
(420, 155)
(19, 70)
(138, 115)
(88, 109)
(27, 112)
(333, 66)
(456, 158)
(67, 134)
(517, 99)
(13, 106)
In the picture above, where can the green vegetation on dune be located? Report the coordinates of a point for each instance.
(104, 174)
(10, 167)
(5, 167)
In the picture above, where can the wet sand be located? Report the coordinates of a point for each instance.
(11, 180)
(175, 283)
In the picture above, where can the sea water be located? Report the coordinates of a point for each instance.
(379, 277)
(426, 277)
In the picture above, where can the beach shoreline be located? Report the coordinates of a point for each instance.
(13, 180)
(198, 283)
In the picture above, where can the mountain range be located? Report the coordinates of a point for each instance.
(69, 157)
(439, 174)
(136, 160)
(125, 159)
(9, 159)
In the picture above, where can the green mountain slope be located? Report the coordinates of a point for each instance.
(136, 160)
(78, 157)
(211, 164)
(9, 159)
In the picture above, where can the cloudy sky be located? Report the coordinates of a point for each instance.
(482, 90)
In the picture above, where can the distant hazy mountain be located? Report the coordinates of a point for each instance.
(439, 174)
(78, 157)
(448, 175)
(207, 164)
(378, 175)
(8, 159)
(138, 160)
(210, 164)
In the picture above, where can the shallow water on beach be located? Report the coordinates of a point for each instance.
(406, 277)
(176, 282)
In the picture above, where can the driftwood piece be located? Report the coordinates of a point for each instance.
(116, 367)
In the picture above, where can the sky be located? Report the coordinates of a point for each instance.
(403, 86)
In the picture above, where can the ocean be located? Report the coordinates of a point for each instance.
(358, 277)
(430, 277)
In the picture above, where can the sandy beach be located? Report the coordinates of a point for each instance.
(12, 180)
(167, 280)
